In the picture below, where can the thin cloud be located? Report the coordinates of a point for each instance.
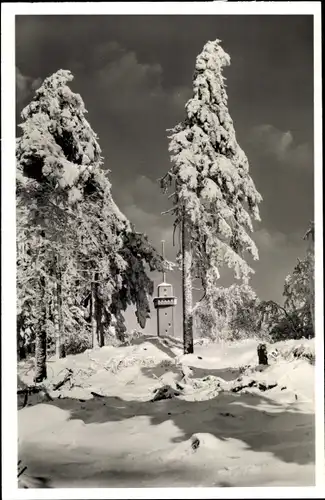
(142, 202)
(270, 240)
(278, 256)
(270, 141)
(25, 86)
(129, 85)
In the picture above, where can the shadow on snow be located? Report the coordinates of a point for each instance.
(260, 423)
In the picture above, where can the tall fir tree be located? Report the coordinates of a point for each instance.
(73, 241)
(57, 147)
(214, 197)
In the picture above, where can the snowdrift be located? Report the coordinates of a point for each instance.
(145, 415)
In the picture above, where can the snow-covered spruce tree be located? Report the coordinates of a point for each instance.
(310, 237)
(114, 258)
(299, 289)
(100, 225)
(57, 147)
(295, 318)
(68, 204)
(214, 197)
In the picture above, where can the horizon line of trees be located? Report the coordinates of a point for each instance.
(239, 313)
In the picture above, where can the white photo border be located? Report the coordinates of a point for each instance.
(9, 363)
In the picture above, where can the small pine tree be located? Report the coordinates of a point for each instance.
(299, 288)
(295, 319)
(214, 196)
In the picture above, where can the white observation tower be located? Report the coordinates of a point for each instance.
(165, 303)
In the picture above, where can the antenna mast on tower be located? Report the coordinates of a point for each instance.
(163, 256)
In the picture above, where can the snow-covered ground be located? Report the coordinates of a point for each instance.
(213, 431)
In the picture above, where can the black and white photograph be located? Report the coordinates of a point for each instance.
(162, 276)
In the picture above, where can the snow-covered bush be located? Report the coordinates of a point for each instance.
(282, 324)
(132, 335)
(233, 315)
(78, 342)
(289, 351)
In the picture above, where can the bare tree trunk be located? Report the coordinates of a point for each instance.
(22, 352)
(62, 351)
(40, 355)
(59, 326)
(21, 348)
(99, 323)
(93, 313)
(187, 291)
(312, 310)
(40, 340)
(98, 312)
(310, 237)
(56, 320)
(312, 288)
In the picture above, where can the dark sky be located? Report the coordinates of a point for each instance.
(134, 74)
